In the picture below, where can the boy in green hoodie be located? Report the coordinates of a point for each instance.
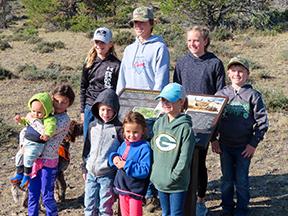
(173, 144)
(40, 126)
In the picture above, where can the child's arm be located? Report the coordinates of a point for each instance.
(185, 157)
(20, 120)
(49, 127)
(215, 145)
(140, 168)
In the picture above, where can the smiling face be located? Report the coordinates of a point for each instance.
(196, 43)
(37, 110)
(142, 29)
(133, 132)
(106, 113)
(172, 109)
(238, 75)
(102, 48)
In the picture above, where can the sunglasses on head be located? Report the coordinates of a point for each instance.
(102, 32)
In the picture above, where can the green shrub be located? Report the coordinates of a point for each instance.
(34, 40)
(171, 33)
(4, 45)
(47, 47)
(221, 34)
(6, 131)
(83, 23)
(31, 72)
(123, 38)
(23, 34)
(275, 100)
(222, 50)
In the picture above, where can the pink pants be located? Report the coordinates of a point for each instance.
(130, 206)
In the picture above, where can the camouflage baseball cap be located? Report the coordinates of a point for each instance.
(142, 14)
(238, 60)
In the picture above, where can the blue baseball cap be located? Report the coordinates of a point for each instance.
(172, 92)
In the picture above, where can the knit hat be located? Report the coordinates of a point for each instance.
(238, 60)
(102, 34)
(172, 92)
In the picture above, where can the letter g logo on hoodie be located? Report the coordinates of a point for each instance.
(165, 142)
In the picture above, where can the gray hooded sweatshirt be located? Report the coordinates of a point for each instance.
(244, 120)
(103, 138)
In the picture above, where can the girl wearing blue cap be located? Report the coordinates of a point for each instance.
(100, 71)
(173, 144)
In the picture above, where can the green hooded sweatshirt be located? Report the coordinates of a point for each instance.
(49, 121)
(173, 145)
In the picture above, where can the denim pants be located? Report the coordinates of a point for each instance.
(88, 118)
(172, 204)
(43, 183)
(235, 171)
(99, 196)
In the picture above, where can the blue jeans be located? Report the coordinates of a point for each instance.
(151, 191)
(99, 196)
(172, 204)
(43, 183)
(235, 171)
(88, 118)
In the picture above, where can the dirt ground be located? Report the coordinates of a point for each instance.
(269, 170)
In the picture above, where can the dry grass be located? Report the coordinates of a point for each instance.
(269, 166)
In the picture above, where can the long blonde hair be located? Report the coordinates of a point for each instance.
(92, 55)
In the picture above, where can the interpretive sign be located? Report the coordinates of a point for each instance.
(205, 110)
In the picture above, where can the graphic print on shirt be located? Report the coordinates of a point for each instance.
(165, 142)
(236, 108)
(139, 64)
(108, 77)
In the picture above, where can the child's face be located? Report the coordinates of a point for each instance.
(171, 108)
(106, 112)
(133, 132)
(238, 75)
(60, 103)
(102, 48)
(196, 43)
(37, 110)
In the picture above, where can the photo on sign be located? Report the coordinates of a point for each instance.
(148, 112)
(205, 104)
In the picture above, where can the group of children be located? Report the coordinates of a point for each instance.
(118, 159)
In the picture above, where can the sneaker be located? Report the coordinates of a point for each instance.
(16, 179)
(25, 182)
(152, 204)
(201, 209)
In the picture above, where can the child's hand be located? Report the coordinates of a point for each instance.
(216, 147)
(17, 118)
(248, 151)
(82, 117)
(119, 162)
(44, 137)
(84, 176)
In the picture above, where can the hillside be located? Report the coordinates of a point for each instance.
(269, 172)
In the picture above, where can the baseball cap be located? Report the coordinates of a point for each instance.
(102, 34)
(239, 60)
(142, 14)
(172, 92)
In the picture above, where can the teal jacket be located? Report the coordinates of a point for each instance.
(173, 145)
